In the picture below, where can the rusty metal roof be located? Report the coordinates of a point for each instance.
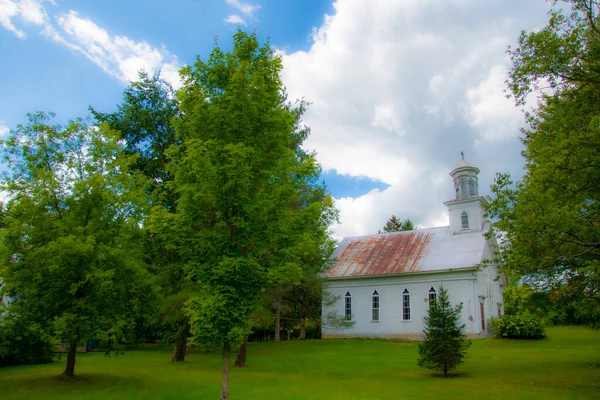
(421, 250)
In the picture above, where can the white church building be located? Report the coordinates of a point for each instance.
(385, 282)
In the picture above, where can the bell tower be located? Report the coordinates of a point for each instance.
(466, 210)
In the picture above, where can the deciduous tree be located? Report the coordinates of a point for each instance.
(237, 175)
(551, 219)
(145, 121)
(71, 247)
(309, 244)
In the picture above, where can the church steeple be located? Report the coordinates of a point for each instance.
(466, 210)
(465, 179)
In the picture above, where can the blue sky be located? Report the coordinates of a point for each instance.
(37, 73)
(398, 87)
(45, 75)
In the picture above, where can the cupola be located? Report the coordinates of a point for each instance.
(466, 209)
(465, 179)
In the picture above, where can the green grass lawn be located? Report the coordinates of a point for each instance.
(566, 365)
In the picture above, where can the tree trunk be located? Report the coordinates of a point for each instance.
(225, 381)
(277, 320)
(445, 371)
(302, 329)
(70, 370)
(180, 351)
(240, 361)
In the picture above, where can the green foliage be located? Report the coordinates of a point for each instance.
(445, 344)
(23, 342)
(298, 300)
(551, 218)
(70, 249)
(245, 215)
(518, 327)
(334, 320)
(225, 310)
(525, 300)
(145, 120)
(395, 225)
(517, 300)
(563, 304)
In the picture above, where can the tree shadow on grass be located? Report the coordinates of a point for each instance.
(450, 375)
(86, 380)
(90, 379)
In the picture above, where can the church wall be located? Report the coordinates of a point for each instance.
(489, 289)
(460, 286)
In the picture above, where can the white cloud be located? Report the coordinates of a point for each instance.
(235, 19)
(399, 88)
(8, 10)
(244, 8)
(118, 56)
(29, 11)
(368, 213)
(4, 196)
(3, 130)
(33, 12)
(386, 116)
(489, 111)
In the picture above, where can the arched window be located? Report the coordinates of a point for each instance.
(432, 296)
(406, 305)
(375, 306)
(348, 306)
(464, 220)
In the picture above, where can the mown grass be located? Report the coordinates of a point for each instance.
(566, 365)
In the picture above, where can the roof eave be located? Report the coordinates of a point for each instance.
(449, 270)
(467, 200)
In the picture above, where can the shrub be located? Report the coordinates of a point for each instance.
(518, 327)
(492, 326)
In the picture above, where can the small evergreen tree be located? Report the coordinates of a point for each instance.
(395, 225)
(445, 343)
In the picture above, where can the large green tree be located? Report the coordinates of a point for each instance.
(551, 219)
(145, 121)
(236, 175)
(71, 246)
